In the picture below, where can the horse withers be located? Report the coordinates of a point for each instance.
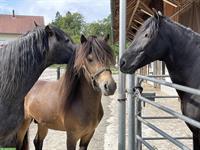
(73, 103)
(159, 38)
(21, 63)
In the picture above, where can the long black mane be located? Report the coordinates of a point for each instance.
(101, 50)
(26, 51)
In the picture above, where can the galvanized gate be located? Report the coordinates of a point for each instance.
(140, 119)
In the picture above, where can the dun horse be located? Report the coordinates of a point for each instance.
(159, 38)
(21, 63)
(73, 103)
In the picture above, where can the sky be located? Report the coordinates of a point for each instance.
(92, 10)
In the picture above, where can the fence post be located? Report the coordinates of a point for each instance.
(139, 124)
(58, 73)
(131, 113)
(138, 109)
(121, 83)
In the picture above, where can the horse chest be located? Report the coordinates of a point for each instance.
(84, 119)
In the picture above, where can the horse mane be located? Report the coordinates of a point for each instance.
(151, 24)
(27, 51)
(101, 50)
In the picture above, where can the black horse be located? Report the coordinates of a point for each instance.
(21, 63)
(159, 38)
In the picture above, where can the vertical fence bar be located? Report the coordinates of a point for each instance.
(139, 124)
(136, 113)
(58, 73)
(121, 84)
(131, 113)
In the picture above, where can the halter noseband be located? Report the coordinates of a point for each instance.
(93, 77)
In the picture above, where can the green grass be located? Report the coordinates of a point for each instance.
(7, 148)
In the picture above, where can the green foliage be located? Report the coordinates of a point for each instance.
(71, 23)
(98, 28)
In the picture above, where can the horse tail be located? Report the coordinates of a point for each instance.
(25, 145)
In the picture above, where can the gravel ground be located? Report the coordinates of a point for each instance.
(106, 135)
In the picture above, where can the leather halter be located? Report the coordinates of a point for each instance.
(94, 76)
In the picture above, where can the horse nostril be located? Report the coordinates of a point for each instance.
(122, 62)
(106, 86)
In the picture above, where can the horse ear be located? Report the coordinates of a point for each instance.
(160, 13)
(48, 30)
(157, 14)
(106, 38)
(83, 39)
(35, 23)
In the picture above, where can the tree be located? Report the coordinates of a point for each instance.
(71, 23)
(98, 28)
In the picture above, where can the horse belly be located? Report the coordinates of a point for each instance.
(55, 125)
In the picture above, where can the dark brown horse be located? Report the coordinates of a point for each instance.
(73, 103)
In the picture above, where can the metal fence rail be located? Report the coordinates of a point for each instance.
(164, 134)
(173, 114)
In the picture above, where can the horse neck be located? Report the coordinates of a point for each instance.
(183, 53)
(84, 94)
(90, 97)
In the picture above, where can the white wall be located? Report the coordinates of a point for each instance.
(8, 37)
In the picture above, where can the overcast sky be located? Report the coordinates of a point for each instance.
(92, 10)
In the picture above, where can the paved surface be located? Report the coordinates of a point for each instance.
(106, 135)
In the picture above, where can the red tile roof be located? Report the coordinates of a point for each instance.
(18, 24)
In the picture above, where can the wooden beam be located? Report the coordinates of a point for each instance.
(144, 11)
(132, 3)
(134, 27)
(170, 3)
(146, 8)
(131, 34)
(138, 17)
(133, 13)
(130, 38)
(138, 21)
(181, 10)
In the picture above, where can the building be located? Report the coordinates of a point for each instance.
(12, 26)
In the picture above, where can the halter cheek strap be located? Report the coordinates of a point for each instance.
(93, 77)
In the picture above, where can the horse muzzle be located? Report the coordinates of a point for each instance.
(109, 88)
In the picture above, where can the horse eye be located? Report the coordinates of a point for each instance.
(67, 40)
(146, 35)
(90, 60)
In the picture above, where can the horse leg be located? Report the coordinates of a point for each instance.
(71, 141)
(196, 141)
(85, 141)
(22, 135)
(186, 107)
(40, 136)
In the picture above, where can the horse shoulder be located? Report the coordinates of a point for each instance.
(41, 102)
